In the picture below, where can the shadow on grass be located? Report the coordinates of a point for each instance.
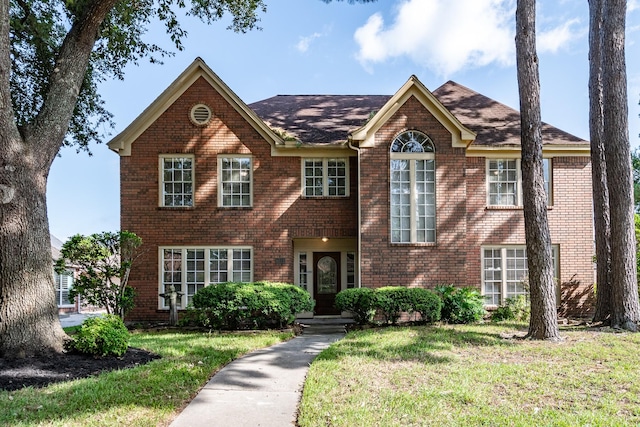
(425, 344)
(145, 395)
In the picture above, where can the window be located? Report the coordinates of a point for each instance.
(303, 271)
(351, 270)
(325, 177)
(64, 282)
(505, 272)
(191, 269)
(235, 177)
(413, 189)
(177, 181)
(504, 181)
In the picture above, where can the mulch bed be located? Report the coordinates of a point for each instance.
(44, 370)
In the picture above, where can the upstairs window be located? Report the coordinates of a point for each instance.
(504, 182)
(176, 185)
(235, 175)
(325, 177)
(413, 189)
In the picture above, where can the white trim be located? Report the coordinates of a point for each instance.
(325, 176)
(555, 251)
(161, 181)
(519, 201)
(220, 186)
(207, 271)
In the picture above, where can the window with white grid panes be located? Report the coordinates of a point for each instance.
(351, 270)
(191, 269)
(242, 268)
(413, 189)
(303, 271)
(235, 173)
(325, 177)
(505, 273)
(177, 181)
(504, 182)
(195, 279)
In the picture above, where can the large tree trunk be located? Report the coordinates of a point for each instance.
(544, 321)
(602, 222)
(28, 312)
(625, 312)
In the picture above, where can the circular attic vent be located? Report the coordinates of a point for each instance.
(200, 114)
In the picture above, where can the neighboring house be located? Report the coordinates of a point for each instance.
(333, 192)
(63, 282)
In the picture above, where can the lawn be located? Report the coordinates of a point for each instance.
(474, 376)
(148, 395)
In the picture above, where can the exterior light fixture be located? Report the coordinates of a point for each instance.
(325, 239)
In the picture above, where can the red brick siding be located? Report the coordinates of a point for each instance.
(278, 215)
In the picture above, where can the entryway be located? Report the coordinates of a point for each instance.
(326, 282)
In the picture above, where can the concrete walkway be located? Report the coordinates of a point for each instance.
(262, 388)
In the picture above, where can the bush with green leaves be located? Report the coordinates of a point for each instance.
(391, 301)
(461, 305)
(101, 336)
(360, 302)
(515, 308)
(425, 302)
(249, 305)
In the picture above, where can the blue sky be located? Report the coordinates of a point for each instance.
(310, 47)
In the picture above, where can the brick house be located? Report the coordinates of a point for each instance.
(332, 192)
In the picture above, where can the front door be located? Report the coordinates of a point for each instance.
(327, 281)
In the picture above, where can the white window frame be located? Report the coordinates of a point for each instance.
(547, 165)
(221, 184)
(413, 158)
(325, 177)
(503, 268)
(231, 273)
(64, 283)
(162, 182)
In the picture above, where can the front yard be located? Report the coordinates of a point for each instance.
(474, 375)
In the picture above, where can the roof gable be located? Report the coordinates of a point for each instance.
(461, 136)
(122, 142)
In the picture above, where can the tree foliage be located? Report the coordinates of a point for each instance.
(104, 261)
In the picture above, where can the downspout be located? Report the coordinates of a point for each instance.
(359, 254)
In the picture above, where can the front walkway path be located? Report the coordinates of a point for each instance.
(262, 388)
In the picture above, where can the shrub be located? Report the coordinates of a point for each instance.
(425, 302)
(515, 308)
(102, 336)
(249, 305)
(392, 301)
(460, 305)
(359, 301)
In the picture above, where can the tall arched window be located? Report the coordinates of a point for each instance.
(413, 189)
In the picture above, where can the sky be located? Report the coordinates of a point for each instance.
(313, 47)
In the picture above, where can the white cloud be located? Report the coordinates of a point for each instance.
(556, 38)
(633, 5)
(447, 36)
(304, 42)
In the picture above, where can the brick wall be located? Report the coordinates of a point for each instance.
(279, 213)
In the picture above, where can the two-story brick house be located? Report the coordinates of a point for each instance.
(331, 192)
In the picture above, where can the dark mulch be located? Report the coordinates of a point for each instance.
(44, 370)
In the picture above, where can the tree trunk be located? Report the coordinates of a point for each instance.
(544, 321)
(625, 312)
(29, 322)
(602, 222)
(28, 311)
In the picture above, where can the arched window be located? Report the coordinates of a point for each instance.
(413, 188)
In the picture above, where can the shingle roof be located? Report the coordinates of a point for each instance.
(318, 119)
(495, 124)
(328, 119)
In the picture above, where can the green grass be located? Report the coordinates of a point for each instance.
(474, 376)
(148, 395)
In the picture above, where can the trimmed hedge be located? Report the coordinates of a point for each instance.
(390, 302)
(101, 336)
(248, 305)
(359, 301)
